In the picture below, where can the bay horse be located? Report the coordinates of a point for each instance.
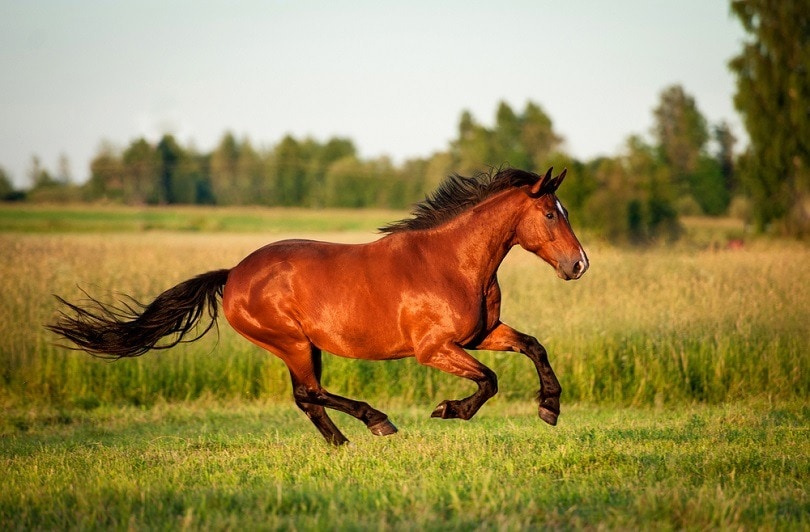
(428, 288)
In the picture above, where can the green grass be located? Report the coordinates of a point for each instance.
(262, 466)
(32, 218)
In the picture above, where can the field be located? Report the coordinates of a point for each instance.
(685, 374)
(261, 466)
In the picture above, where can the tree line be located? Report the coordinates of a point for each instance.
(635, 195)
(688, 167)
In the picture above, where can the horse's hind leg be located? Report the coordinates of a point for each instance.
(312, 398)
(376, 421)
(454, 360)
(317, 414)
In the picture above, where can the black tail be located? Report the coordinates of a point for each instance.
(131, 329)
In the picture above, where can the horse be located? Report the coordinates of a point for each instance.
(427, 288)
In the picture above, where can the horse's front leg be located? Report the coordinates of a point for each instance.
(505, 338)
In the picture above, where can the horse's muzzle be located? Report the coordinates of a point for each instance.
(574, 269)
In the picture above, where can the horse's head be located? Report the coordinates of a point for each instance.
(544, 229)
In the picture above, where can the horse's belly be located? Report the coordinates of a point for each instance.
(354, 330)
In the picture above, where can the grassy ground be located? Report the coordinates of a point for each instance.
(259, 466)
(698, 358)
(116, 218)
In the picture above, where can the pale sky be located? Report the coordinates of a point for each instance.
(392, 76)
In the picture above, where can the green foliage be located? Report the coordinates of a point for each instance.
(709, 187)
(106, 175)
(680, 130)
(229, 185)
(6, 188)
(353, 183)
(140, 169)
(773, 91)
(682, 136)
(349, 183)
(523, 141)
(633, 198)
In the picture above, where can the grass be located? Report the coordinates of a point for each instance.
(641, 328)
(33, 218)
(685, 371)
(210, 465)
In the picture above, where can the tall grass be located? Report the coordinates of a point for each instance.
(644, 328)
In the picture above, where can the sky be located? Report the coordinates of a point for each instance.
(392, 76)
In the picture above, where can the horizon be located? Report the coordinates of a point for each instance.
(393, 79)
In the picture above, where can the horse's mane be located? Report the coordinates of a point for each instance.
(457, 194)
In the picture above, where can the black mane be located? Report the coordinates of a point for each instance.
(457, 194)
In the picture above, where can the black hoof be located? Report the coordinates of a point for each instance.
(444, 411)
(383, 428)
(547, 415)
(440, 411)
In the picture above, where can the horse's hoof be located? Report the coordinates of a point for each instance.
(440, 411)
(383, 428)
(547, 415)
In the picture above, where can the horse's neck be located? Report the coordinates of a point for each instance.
(480, 237)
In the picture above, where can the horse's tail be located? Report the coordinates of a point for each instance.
(131, 328)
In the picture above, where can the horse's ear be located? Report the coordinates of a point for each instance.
(540, 184)
(558, 180)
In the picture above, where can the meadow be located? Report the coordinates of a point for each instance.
(259, 466)
(684, 371)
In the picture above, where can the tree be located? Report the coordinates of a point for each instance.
(140, 173)
(106, 173)
(438, 167)
(290, 162)
(223, 171)
(773, 96)
(350, 183)
(414, 175)
(726, 140)
(633, 199)
(39, 175)
(63, 173)
(523, 141)
(6, 188)
(682, 134)
(680, 130)
(47, 188)
(538, 137)
(322, 158)
(169, 155)
(508, 144)
(473, 150)
(251, 186)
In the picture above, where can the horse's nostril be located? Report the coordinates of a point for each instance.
(579, 267)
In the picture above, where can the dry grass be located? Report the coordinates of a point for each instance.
(641, 327)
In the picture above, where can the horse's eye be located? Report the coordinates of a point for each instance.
(550, 215)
